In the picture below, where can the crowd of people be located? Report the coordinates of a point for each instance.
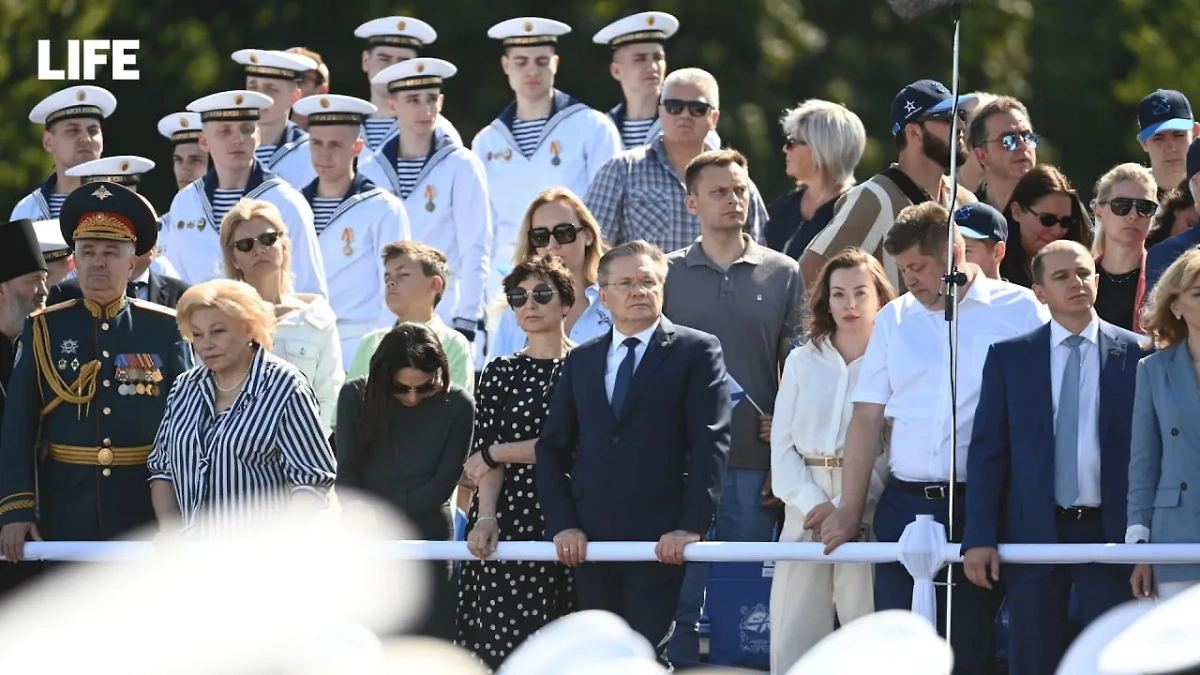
(582, 326)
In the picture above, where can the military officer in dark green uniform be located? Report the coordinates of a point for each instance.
(89, 386)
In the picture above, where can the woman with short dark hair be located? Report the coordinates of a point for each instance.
(502, 603)
(406, 429)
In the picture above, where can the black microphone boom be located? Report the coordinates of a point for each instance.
(911, 9)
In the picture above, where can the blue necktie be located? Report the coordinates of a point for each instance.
(1066, 429)
(624, 375)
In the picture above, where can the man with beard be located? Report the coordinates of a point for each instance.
(862, 217)
(22, 291)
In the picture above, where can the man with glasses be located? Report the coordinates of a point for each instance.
(640, 194)
(634, 446)
(544, 138)
(862, 217)
(1003, 141)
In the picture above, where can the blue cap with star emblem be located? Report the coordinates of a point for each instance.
(1164, 110)
(981, 221)
(926, 100)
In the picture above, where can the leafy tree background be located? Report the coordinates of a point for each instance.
(1080, 65)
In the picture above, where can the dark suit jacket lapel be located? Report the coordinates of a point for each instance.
(155, 290)
(1040, 391)
(1112, 360)
(656, 353)
(592, 371)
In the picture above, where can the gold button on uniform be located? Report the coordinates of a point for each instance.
(107, 472)
(107, 442)
(104, 326)
(106, 383)
(104, 457)
(105, 353)
(108, 411)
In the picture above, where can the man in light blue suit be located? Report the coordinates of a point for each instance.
(1049, 458)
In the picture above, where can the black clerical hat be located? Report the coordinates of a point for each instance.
(20, 252)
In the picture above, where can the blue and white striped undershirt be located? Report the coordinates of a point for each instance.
(378, 128)
(263, 152)
(323, 208)
(55, 203)
(407, 171)
(633, 132)
(223, 200)
(526, 133)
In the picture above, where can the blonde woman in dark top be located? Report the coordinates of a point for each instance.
(407, 434)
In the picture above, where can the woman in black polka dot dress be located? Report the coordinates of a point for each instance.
(500, 604)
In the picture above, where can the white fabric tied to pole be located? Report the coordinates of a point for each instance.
(922, 549)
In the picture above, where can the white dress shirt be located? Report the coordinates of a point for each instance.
(1089, 402)
(907, 365)
(143, 291)
(812, 413)
(616, 354)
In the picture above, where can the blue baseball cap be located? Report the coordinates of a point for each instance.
(924, 98)
(1164, 110)
(981, 221)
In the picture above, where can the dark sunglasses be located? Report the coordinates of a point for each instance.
(1050, 220)
(422, 389)
(944, 116)
(563, 233)
(674, 106)
(517, 297)
(791, 141)
(1121, 206)
(1012, 141)
(267, 239)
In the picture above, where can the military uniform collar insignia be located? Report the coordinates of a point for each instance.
(105, 312)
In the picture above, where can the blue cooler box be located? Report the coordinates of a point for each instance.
(738, 603)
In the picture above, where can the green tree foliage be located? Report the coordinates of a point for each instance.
(1080, 79)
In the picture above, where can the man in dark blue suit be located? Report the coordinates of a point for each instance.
(1049, 458)
(635, 445)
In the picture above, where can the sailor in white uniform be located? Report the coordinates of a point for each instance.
(125, 170)
(189, 160)
(639, 63)
(229, 133)
(545, 138)
(73, 134)
(60, 261)
(390, 40)
(283, 145)
(442, 184)
(354, 218)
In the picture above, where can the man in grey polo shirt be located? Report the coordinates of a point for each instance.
(750, 298)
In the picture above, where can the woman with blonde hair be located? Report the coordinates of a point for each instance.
(808, 434)
(1164, 456)
(241, 436)
(1125, 206)
(558, 223)
(257, 250)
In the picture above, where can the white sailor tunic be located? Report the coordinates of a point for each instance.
(449, 210)
(574, 143)
(441, 123)
(351, 246)
(41, 204)
(192, 240)
(292, 158)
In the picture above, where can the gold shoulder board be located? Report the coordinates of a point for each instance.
(152, 306)
(55, 308)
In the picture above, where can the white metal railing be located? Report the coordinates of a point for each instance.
(922, 549)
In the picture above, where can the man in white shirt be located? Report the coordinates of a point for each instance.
(904, 380)
(1053, 470)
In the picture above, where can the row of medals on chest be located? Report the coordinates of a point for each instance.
(136, 374)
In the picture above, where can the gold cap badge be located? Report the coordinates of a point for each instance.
(401, 25)
(80, 95)
(124, 166)
(528, 26)
(254, 58)
(324, 103)
(183, 122)
(420, 67)
(649, 21)
(237, 100)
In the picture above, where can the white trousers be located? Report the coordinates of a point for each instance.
(804, 595)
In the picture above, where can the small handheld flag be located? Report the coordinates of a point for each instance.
(736, 393)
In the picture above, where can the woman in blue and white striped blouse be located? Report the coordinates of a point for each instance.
(241, 436)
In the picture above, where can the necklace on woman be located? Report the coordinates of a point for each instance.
(1119, 278)
(217, 382)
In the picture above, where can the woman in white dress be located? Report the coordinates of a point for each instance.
(257, 250)
(812, 412)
